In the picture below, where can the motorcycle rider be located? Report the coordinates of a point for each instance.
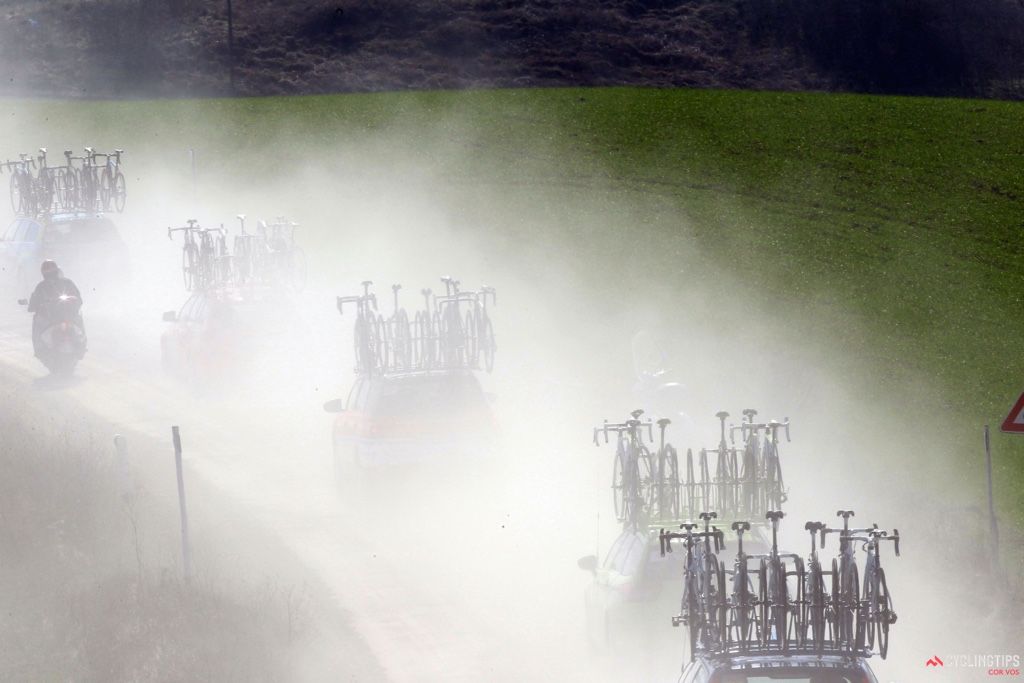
(53, 286)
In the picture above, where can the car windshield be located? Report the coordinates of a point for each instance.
(792, 675)
(427, 396)
(80, 232)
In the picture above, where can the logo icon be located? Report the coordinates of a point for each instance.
(934, 661)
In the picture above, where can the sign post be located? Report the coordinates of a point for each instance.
(1012, 424)
(993, 529)
(181, 500)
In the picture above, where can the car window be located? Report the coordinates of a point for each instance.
(429, 395)
(671, 566)
(623, 556)
(12, 229)
(694, 673)
(31, 232)
(352, 394)
(85, 231)
(609, 560)
(190, 311)
(364, 390)
(633, 558)
(19, 236)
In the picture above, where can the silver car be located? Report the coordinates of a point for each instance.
(776, 668)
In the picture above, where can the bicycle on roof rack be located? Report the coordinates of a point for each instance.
(424, 335)
(397, 348)
(703, 608)
(111, 180)
(46, 184)
(368, 335)
(726, 466)
(667, 499)
(285, 259)
(89, 181)
(633, 469)
(759, 478)
(205, 260)
(248, 252)
(868, 615)
(23, 186)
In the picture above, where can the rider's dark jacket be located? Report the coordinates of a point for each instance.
(52, 288)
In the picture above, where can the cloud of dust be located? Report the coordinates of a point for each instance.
(580, 270)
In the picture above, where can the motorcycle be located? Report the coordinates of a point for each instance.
(655, 389)
(58, 333)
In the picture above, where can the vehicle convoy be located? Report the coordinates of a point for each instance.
(85, 243)
(415, 397)
(58, 331)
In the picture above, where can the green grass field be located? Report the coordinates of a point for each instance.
(901, 214)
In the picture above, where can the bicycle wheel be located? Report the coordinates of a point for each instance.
(744, 613)
(714, 605)
(619, 482)
(816, 606)
(849, 608)
(439, 340)
(870, 602)
(780, 602)
(70, 189)
(454, 338)
(17, 197)
(688, 610)
(674, 483)
(763, 627)
(189, 265)
(106, 188)
(119, 191)
(833, 615)
(88, 190)
(45, 189)
(383, 344)
(366, 344)
(471, 341)
(797, 634)
(886, 614)
(487, 343)
(403, 341)
(418, 342)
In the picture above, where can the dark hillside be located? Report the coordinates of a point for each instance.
(146, 48)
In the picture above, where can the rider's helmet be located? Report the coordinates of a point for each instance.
(49, 269)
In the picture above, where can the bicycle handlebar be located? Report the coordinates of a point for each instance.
(357, 300)
(691, 537)
(627, 426)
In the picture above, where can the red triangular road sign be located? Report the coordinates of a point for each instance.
(1014, 422)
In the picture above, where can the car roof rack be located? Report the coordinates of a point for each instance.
(775, 603)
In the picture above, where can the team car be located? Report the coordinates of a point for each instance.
(87, 245)
(409, 417)
(635, 592)
(215, 336)
(777, 668)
